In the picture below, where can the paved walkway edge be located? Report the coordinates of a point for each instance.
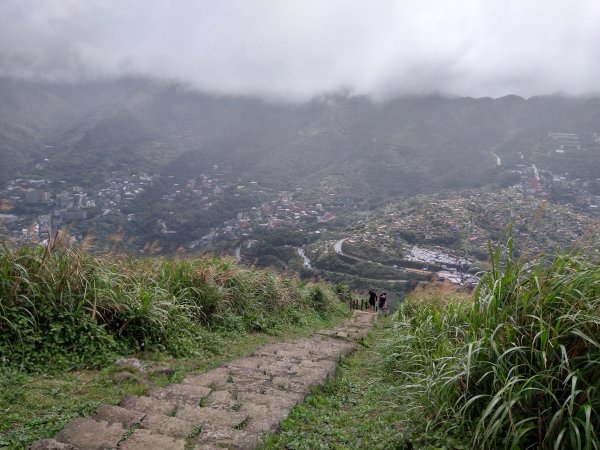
(233, 406)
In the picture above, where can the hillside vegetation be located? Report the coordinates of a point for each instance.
(517, 367)
(63, 308)
(513, 365)
(361, 149)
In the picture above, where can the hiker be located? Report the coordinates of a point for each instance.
(383, 304)
(372, 299)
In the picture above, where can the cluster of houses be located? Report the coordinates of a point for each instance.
(572, 143)
(578, 194)
(40, 207)
(463, 222)
(121, 189)
(283, 212)
(207, 188)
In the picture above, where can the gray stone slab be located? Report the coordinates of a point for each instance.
(257, 367)
(149, 405)
(319, 347)
(201, 391)
(212, 437)
(273, 402)
(241, 401)
(243, 380)
(50, 444)
(310, 374)
(211, 378)
(89, 434)
(287, 384)
(262, 418)
(338, 333)
(290, 352)
(223, 399)
(169, 426)
(181, 394)
(241, 372)
(210, 416)
(147, 440)
(116, 414)
(251, 362)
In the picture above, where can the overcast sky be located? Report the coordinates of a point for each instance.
(295, 49)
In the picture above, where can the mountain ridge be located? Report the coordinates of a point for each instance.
(151, 125)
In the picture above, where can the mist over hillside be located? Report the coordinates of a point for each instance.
(403, 146)
(186, 184)
(154, 167)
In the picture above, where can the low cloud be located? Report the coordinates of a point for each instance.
(295, 50)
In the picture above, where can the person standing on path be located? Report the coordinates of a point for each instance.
(372, 300)
(383, 303)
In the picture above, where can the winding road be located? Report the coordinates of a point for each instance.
(498, 160)
(338, 249)
(301, 253)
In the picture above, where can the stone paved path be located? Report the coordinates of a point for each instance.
(233, 406)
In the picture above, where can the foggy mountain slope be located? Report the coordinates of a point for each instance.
(42, 120)
(402, 146)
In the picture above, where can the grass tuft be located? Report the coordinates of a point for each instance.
(66, 309)
(518, 367)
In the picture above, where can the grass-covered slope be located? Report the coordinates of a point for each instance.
(64, 308)
(518, 367)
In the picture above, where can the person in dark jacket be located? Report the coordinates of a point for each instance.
(372, 300)
(383, 303)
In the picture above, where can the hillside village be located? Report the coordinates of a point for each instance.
(465, 221)
(545, 208)
(33, 210)
(41, 208)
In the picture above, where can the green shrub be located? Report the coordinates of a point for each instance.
(520, 366)
(64, 308)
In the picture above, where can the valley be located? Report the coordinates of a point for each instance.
(149, 168)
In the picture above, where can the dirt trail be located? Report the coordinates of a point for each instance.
(233, 406)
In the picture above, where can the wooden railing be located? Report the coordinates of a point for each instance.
(361, 304)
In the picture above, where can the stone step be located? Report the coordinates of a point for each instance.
(211, 378)
(257, 367)
(310, 377)
(271, 389)
(181, 394)
(340, 333)
(90, 434)
(214, 437)
(233, 406)
(169, 426)
(116, 414)
(326, 347)
(160, 424)
(273, 402)
(283, 354)
(263, 419)
(286, 384)
(241, 373)
(147, 440)
(226, 399)
(51, 444)
(239, 379)
(301, 350)
(210, 416)
(149, 405)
